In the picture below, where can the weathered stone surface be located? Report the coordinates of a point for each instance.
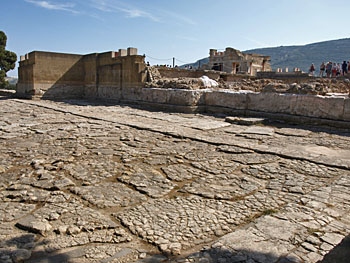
(149, 181)
(31, 224)
(244, 121)
(87, 182)
(109, 195)
(223, 186)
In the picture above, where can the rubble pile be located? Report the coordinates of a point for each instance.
(315, 86)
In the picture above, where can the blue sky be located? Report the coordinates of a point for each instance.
(163, 29)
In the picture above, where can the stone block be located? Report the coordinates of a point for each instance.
(154, 95)
(346, 111)
(122, 52)
(132, 51)
(131, 94)
(109, 92)
(317, 106)
(268, 102)
(58, 91)
(185, 97)
(90, 91)
(234, 100)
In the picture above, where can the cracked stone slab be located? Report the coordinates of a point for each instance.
(224, 186)
(269, 239)
(293, 132)
(74, 239)
(181, 172)
(245, 121)
(10, 211)
(109, 194)
(254, 158)
(149, 181)
(181, 223)
(259, 130)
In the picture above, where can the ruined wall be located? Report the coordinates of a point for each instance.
(289, 77)
(236, 62)
(119, 75)
(185, 73)
(51, 75)
(325, 107)
(250, 103)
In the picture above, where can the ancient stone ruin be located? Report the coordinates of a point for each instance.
(233, 61)
(123, 76)
(88, 173)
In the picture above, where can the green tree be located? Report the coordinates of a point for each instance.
(7, 60)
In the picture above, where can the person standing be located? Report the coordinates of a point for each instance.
(312, 69)
(334, 70)
(344, 68)
(322, 69)
(329, 69)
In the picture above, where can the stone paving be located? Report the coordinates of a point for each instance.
(83, 182)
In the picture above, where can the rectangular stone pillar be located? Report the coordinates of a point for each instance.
(132, 51)
(122, 52)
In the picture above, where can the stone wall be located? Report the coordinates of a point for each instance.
(114, 74)
(187, 73)
(236, 62)
(275, 105)
(51, 75)
(290, 77)
(121, 76)
(324, 107)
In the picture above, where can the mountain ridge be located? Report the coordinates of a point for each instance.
(300, 56)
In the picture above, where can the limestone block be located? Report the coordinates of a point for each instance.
(330, 108)
(185, 97)
(109, 92)
(268, 102)
(34, 225)
(147, 95)
(234, 100)
(131, 94)
(90, 91)
(346, 112)
(43, 87)
(132, 51)
(24, 90)
(154, 95)
(122, 52)
(317, 106)
(59, 91)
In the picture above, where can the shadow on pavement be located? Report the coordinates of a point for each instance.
(217, 255)
(340, 253)
(19, 249)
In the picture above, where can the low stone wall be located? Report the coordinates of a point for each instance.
(244, 102)
(188, 73)
(325, 107)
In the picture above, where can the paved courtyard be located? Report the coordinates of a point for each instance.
(108, 183)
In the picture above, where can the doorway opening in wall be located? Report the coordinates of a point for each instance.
(218, 66)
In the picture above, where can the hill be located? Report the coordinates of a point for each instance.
(11, 80)
(300, 56)
(196, 64)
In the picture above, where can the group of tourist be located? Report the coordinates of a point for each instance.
(331, 69)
